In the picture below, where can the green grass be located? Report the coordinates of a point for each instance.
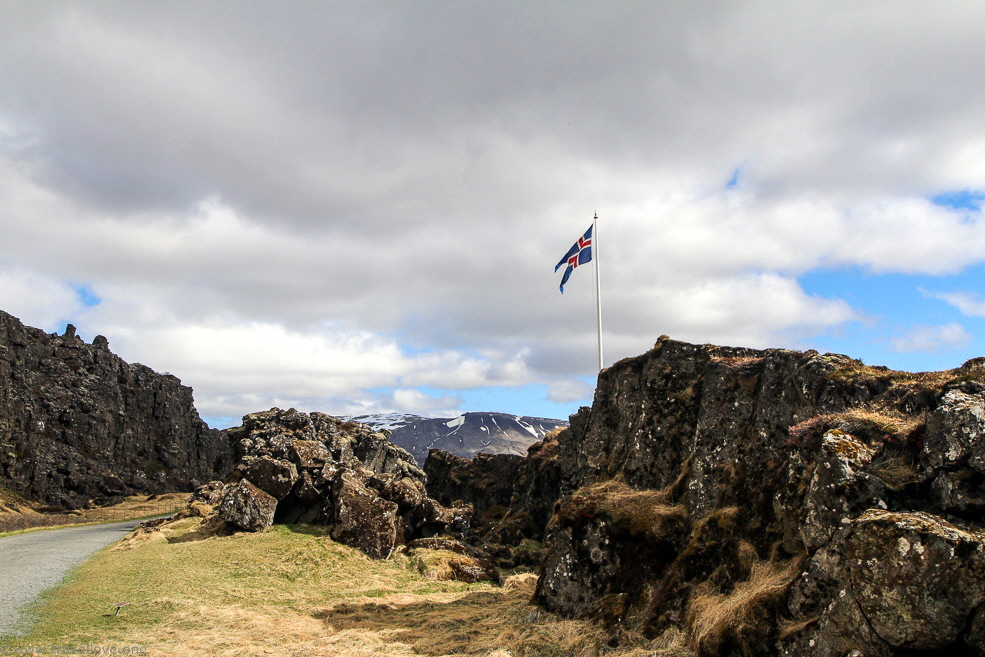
(287, 591)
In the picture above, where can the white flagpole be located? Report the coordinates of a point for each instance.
(598, 284)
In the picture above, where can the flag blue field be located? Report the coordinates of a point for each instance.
(579, 253)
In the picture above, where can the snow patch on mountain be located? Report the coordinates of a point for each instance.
(465, 435)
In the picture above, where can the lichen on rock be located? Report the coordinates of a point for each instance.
(836, 507)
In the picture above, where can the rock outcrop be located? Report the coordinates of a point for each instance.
(728, 501)
(316, 469)
(77, 423)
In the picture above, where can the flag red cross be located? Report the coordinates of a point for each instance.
(582, 243)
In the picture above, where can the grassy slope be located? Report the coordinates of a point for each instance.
(290, 591)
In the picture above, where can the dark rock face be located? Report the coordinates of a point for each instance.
(316, 469)
(913, 579)
(363, 519)
(761, 502)
(486, 481)
(247, 506)
(77, 423)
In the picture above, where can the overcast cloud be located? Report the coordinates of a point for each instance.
(357, 207)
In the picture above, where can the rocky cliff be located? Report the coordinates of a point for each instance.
(728, 501)
(77, 423)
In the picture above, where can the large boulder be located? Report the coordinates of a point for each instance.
(486, 480)
(248, 507)
(274, 476)
(954, 450)
(895, 582)
(956, 433)
(787, 502)
(839, 488)
(363, 519)
(310, 454)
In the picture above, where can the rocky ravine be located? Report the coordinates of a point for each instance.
(77, 423)
(728, 501)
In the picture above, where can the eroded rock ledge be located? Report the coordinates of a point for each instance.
(728, 501)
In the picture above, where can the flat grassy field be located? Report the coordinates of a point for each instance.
(291, 591)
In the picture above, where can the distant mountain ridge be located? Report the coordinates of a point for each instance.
(465, 435)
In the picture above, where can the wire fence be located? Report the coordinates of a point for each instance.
(132, 509)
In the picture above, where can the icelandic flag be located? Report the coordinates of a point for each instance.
(578, 254)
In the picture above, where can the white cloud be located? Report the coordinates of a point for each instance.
(37, 300)
(329, 204)
(932, 339)
(970, 305)
(415, 401)
(570, 390)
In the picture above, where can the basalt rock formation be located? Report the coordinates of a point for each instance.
(729, 501)
(316, 469)
(78, 423)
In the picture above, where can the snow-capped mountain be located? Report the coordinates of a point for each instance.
(465, 435)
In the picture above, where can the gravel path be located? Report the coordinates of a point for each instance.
(33, 562)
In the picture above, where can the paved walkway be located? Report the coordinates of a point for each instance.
(33, 562)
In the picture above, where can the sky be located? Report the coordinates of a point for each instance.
(356, 207)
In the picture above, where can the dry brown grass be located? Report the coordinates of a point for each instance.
(29, 515)
(554, 433)
(890, 423)
(744, 618)
(477, 623)
(742, 365)
(973, 370)
(12, 502)
(640, 512)
(439, 564)
(876, 423)
(895, 469)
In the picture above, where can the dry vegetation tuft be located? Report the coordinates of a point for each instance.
(876, 424)
(857, 372)
(640, 512)
(744, 618)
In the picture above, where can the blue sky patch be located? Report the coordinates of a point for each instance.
(900, 311)
(86, 296)
(964, 199)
